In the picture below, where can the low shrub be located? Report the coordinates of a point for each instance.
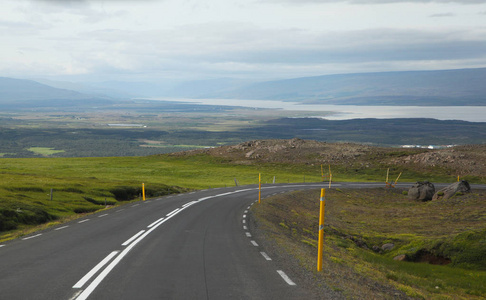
(126, 193)
(99, 202)
(26, 189)
(29, 215)
(83, 210)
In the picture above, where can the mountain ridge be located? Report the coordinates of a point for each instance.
(457, 87)
(436, 88)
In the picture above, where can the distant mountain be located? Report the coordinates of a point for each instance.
(208, 88)
(22, 93)
(434, 88)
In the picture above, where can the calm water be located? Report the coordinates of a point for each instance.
(343, 112)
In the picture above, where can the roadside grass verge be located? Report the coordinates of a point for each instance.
(358, 223)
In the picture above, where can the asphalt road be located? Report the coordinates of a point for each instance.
(190, 246)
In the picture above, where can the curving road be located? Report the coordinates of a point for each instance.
(196, 245)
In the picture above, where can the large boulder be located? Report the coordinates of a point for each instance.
(449, 191)
(421, 191)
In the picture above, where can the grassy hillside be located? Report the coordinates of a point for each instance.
(442, 242)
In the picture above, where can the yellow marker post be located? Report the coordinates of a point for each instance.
(321, 230)
(330, 177)
(397, 179)
(143, 191)
(387, 172)
(259, 188)
(458, 178)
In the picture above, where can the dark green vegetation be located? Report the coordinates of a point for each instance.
(443, 242)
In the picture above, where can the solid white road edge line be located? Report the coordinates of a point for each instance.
(93, 271)
(133, 238)
(285, 277)
(265, 255)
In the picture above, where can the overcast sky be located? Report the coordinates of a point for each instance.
(265, 39)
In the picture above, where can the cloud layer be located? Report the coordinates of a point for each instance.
(227, 38)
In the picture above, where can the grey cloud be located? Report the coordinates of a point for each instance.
(442, 15)
(245, 46)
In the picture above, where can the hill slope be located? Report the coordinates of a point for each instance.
(435, 88)
(20, 92)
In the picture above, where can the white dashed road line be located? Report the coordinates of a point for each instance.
(265, 255)
(133, 238)
(60, 228)
(173, 212)
(31, 237)
(85, 220)
(254, 243)
(153, 224)
(285, 277)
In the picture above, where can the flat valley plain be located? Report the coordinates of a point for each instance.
(144, 127)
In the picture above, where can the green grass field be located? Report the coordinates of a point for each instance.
(443, 241)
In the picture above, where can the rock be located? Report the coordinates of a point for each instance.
(401, 257)
(449, 191)
(421, 191)
(377, 249)
(388, 246)
(249, 154)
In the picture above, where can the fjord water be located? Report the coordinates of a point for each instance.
(344, 112)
